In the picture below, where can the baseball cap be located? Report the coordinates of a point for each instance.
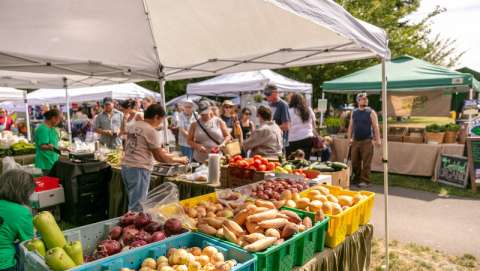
(107, 100)
(361, 95)
(203, 107)
(269, 89)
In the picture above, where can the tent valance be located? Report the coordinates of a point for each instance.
(236, 83)
(405, 74)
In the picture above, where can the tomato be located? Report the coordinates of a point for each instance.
(242, 164)
(252, 167)
(257, 156)
(270, 166)
(237, 157)
(264, 160)
(258, 162)
(262, 168)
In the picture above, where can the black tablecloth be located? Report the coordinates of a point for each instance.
(67, 170)
(351, 255)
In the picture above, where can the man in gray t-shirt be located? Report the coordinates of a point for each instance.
(108, 124)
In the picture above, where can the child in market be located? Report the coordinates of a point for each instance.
(16, 222)
(327, 149)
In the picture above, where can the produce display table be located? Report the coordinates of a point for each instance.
(353, 254)
(26, 159)
(189, 189)
(405, 158)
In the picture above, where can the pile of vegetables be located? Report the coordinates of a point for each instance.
(58, 254)
(135, 230)
(272, 189)
(319, 198)
(22, 147)
(299, 166)
(114, 158)
(254, 225)
(257, 163)
(190, 259)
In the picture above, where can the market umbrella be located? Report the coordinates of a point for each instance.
(178, 39)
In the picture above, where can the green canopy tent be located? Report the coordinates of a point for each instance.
(404, 74)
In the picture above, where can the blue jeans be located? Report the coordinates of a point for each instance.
(136, 182)
(187, 151)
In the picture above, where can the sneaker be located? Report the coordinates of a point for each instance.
(364, 185)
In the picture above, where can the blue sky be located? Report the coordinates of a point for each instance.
(461, 22)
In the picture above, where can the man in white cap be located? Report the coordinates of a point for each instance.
(363, 128)
(185, 119)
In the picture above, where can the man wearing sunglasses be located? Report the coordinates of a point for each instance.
(279, 107)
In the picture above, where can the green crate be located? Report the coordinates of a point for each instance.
(320, 232)
(295, 251)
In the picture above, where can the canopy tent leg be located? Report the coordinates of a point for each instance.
(27, 116)
(321, 113)
(385, 156)
(161, 82)
(67, 96)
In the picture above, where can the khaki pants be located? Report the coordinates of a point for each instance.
(362, 153)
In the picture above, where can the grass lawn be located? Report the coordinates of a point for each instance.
(412, 256)
(424, 184)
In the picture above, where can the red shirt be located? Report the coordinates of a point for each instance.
(6, 125)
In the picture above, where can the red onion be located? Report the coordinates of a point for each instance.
(173, 226)
(109, 246)
(115, 232)
(128, 218)
(142, 219)
(153, 227)
(158, 236)
(138, 243)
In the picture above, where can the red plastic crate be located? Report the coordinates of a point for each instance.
(46, 183)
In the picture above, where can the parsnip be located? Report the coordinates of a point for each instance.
(261, 244)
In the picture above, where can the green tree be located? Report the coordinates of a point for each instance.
(405, 37)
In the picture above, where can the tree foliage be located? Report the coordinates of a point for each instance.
(405, 37)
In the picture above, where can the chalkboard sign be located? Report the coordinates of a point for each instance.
(453, 170)
(473, 151)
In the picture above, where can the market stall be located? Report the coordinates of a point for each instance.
(409, 159)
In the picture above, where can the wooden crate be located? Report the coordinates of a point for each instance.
(396, 133)
(340, 178)
(231, 177)
(414, 135)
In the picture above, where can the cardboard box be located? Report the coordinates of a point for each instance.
(340, 178)
(231, 177)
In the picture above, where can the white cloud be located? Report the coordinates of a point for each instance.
(459, 22)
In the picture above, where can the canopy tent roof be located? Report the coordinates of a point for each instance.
(405, 73)
(92, 37)
(40, 80)
(11, 94)
(236, 83)
(79, 95)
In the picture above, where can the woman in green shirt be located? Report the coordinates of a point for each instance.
(16, 222)
(46, 141)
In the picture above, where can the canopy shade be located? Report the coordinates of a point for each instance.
(94, 38)
(11, 94)
(236, 83)
(79, 95)
(40, 80)
(405, 74)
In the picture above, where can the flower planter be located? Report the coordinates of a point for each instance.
(450, 137)
(434, 138)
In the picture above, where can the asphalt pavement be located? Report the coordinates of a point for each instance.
(449, 224)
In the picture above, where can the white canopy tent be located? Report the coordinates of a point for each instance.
(245, 82)
(176, 39)
(15, 96)
(79, 95)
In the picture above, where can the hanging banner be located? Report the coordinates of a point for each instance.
(428, 103)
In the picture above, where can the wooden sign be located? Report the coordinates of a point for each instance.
(473, 153)
(453, 170)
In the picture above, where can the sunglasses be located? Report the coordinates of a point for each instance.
(227, 106)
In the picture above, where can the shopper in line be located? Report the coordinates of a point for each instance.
(302, 126)
(142, 148)
(208, 134)
(279, 107)
(185, 120)
(362, 130)
(267, 139)
(247, 125)
(16, 221)
(229, 116)
(108, 124)
(46, 141)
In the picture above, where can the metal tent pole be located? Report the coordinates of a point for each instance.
(385, 156)
(161, 82)
(27, 116)
(69, 124)
(321, 113)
